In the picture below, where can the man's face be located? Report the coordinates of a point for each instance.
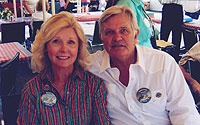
(118, 37)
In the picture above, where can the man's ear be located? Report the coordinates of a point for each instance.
(100, 37)
(136, 33)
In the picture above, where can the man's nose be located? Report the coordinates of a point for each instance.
(117, 37)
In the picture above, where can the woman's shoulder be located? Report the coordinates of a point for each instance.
(90, 77)
(33, 84)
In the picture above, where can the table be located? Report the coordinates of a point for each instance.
(18, 19)
(85, 17)
(8, 51)
(195, 24)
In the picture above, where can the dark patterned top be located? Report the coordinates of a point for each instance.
(84, 101)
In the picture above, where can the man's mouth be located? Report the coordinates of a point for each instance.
(113, 46)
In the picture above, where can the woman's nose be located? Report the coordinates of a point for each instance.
(64, 47)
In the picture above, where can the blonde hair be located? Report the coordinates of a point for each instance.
(39, 5)
(116, 10)
(48, 30)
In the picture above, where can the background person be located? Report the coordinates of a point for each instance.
(102, 5)
(172, 20)
(145, 86)
(29, 6)
(64, 5)
(62, 92)
(194, 81)
(84, 6)
(38, 14)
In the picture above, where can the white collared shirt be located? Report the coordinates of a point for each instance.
(171, 101)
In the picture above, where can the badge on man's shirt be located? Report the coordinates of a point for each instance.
(143, 95)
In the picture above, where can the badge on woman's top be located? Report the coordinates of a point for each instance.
(48, 99)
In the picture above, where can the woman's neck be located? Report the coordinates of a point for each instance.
(61, 75)
(60, 79)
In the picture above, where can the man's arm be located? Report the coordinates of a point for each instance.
(180, 103)
(195, 85)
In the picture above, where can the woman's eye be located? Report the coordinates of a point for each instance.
(71, 42)
(55, 41)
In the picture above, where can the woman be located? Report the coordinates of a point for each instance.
(29, 6)
(62, 92)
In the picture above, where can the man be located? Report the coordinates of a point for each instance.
(145, 86)
(193, 79)
(172, 20)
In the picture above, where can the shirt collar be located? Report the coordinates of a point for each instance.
(140, 58)
(47, 74)
(105, 64)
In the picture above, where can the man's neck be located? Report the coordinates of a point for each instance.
(123, 66)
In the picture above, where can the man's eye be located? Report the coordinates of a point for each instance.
(124, 31)
(109, 32)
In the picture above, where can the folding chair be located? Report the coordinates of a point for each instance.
(96, 43)
(190, 37)
(36, 26)
(13, 32)
(7, 90)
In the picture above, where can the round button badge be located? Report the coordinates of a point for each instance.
(48, 99)
(143, 95)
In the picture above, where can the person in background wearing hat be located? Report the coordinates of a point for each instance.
(63, 92)
(145, 85)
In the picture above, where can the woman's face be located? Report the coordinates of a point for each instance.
(62, 49)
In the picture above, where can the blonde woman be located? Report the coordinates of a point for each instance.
(63, 92)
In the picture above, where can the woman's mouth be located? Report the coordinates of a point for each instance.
(63, 57)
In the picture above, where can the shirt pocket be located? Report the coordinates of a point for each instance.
(157, 103)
